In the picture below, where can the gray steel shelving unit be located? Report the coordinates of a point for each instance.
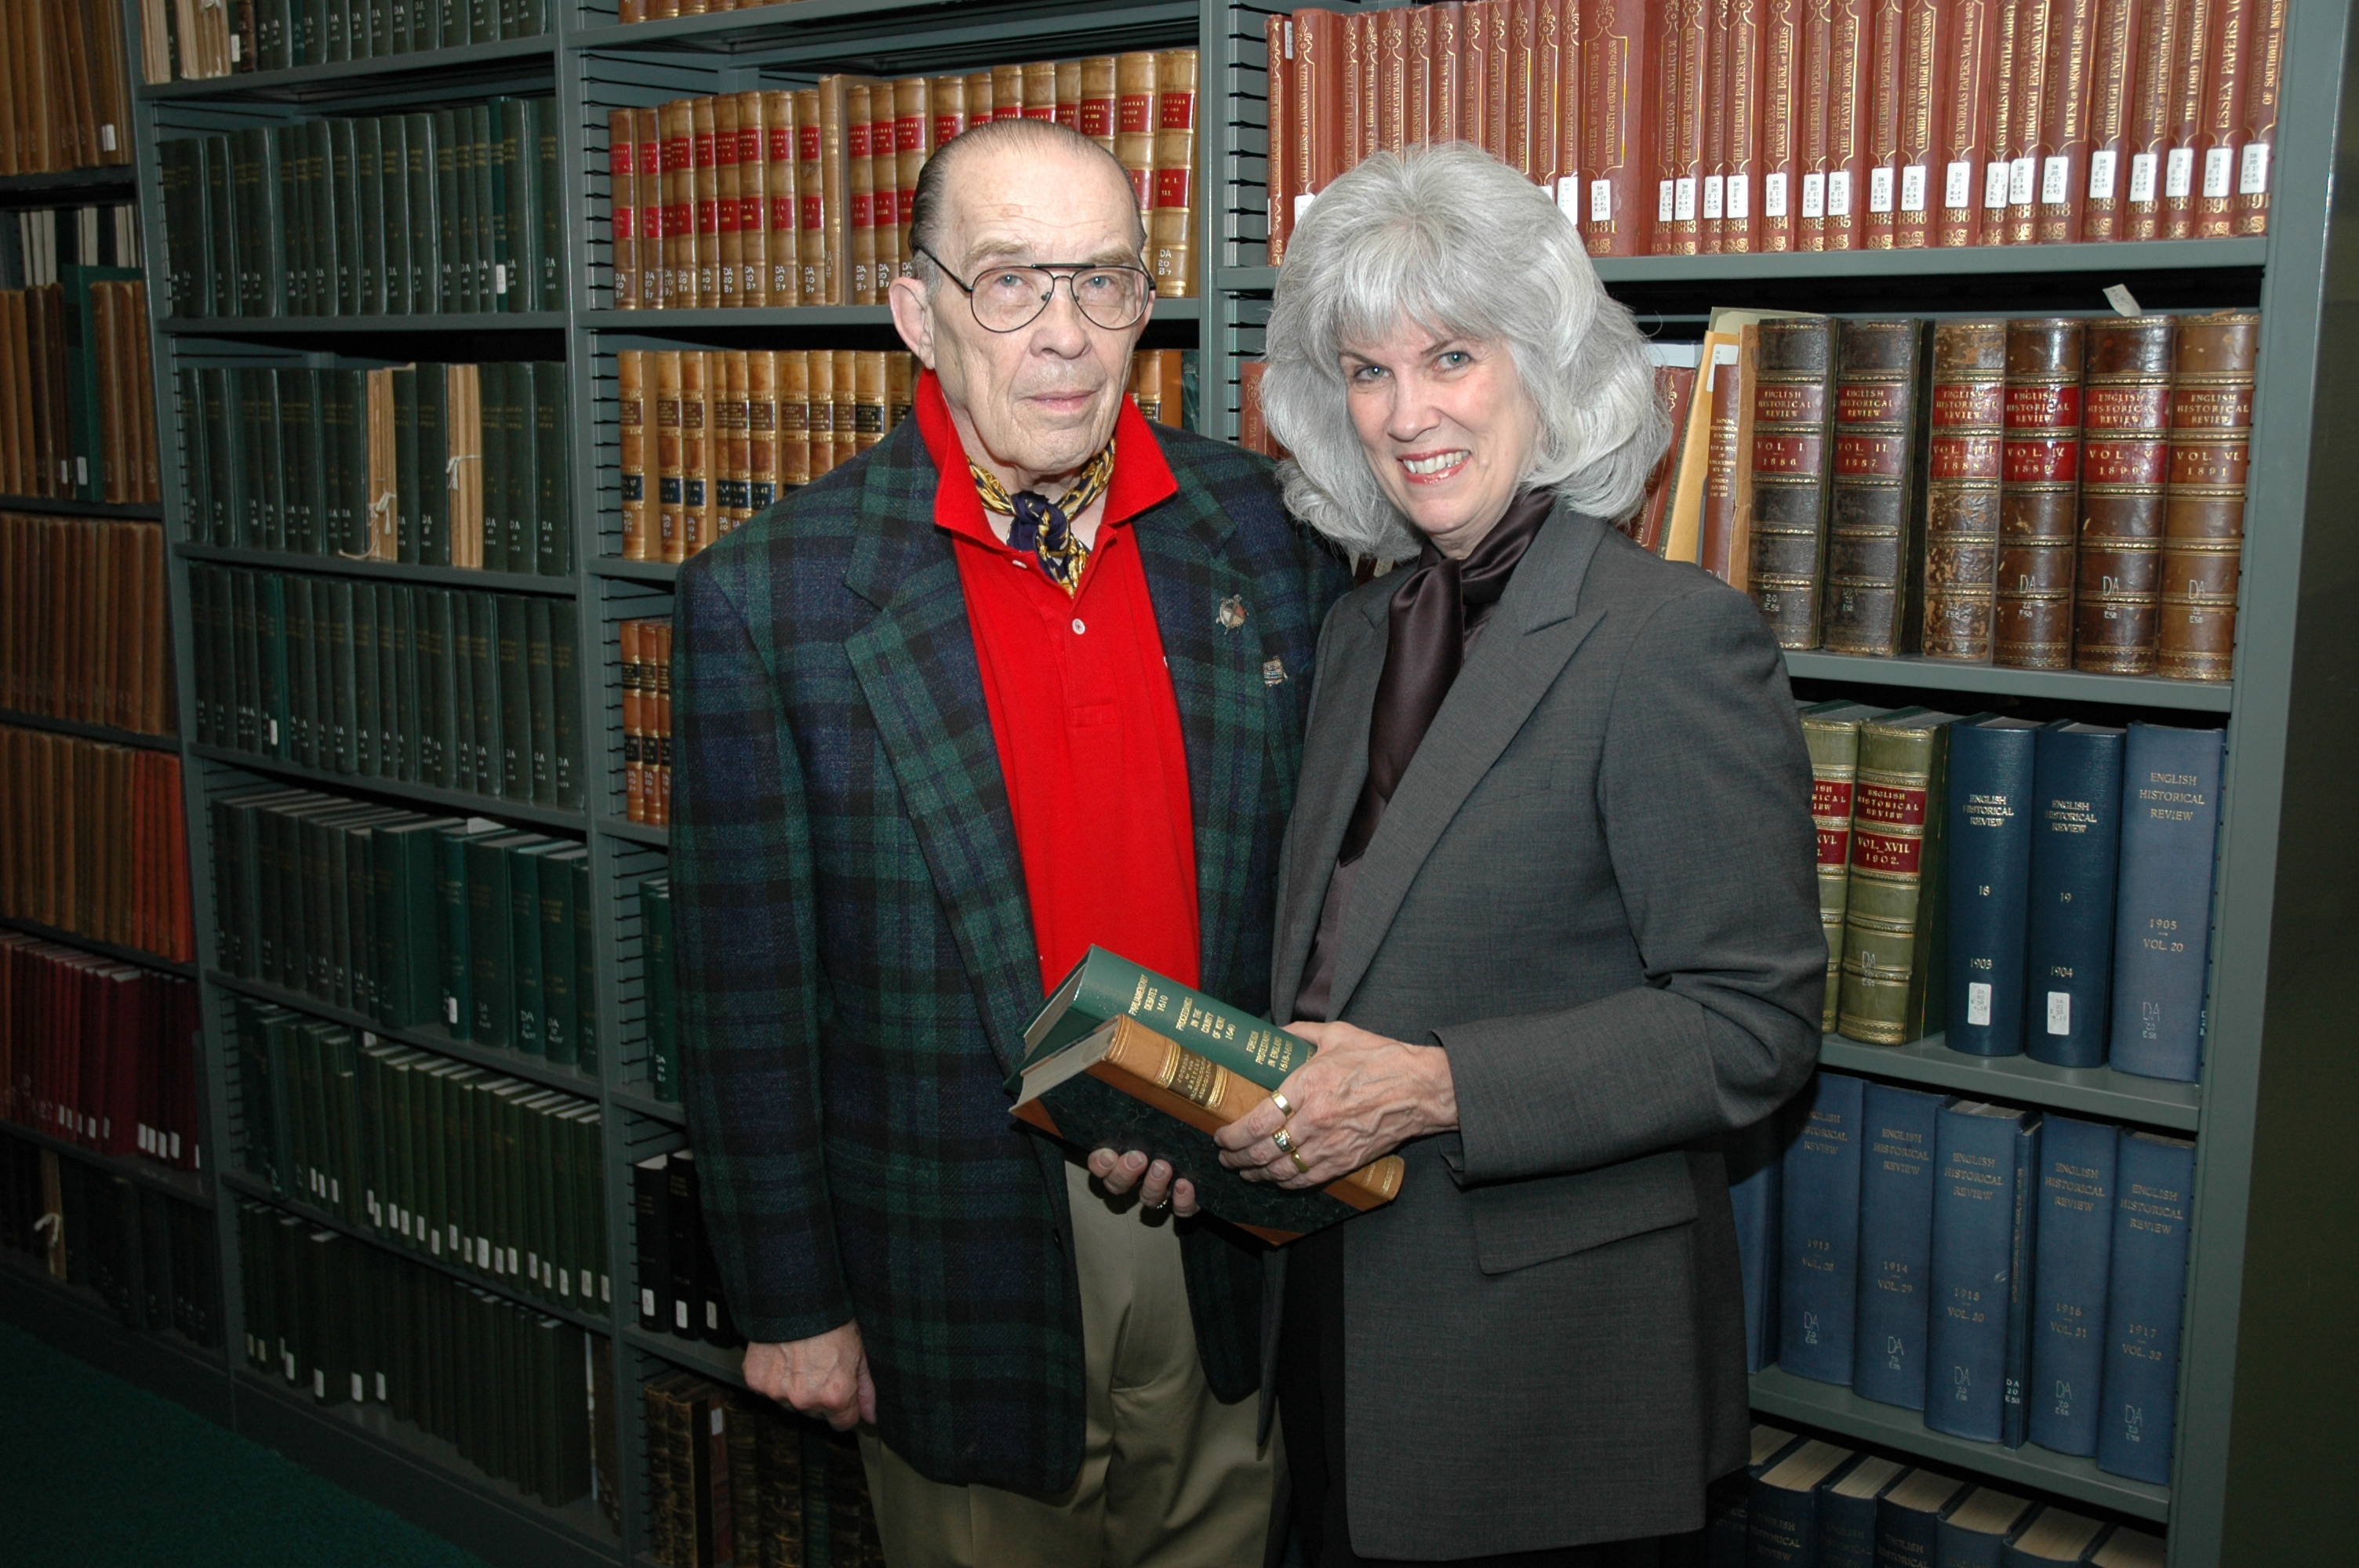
(2263, 1459)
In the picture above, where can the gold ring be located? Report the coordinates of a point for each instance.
(1284, 1105)
(1284, 1140)
(1298, 1161)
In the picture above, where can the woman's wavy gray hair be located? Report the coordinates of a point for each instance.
(1461, 244)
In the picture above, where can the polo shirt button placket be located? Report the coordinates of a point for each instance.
(1078, 627)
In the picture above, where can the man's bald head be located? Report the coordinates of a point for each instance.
(932, 210)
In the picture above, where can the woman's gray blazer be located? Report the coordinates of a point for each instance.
(1595, 888)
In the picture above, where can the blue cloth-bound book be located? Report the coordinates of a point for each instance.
(2074, 1255)
(1990, 829)
(1908, 1517)
(1974, 1533)
(2154, 1183)
(1819, 1245)
(2052, 1536)
(1848, 1501)
(1976, 1215)
(2014, 1416)
(1756, 1162)
(2170, 820)
(1896, 1243)
(1782, 1519)
(2076, 832)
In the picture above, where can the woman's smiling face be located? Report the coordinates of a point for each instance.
(1448, 428)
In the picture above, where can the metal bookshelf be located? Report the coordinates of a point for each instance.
(2259, 1451)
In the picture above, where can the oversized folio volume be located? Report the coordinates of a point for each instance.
(1757, 1198)
(2155, 1178)
(1989, 829)
(1965, 419)
(2052, 1536)
(1983, 1230)
(1818, 1262)
(1848, 1502)
(1120, 1057)
(1896, 1243)
(1875, 523)
(1974, 1533)
(2125, 461)
(2203, 512)
(2075, 1203)
(1893, 970)
(1793, 412)
(2039, 492)
(2076, 832)
(2170, 820)
(1910, 1513)
(1783, 1514)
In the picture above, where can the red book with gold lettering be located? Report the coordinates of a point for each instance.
(2152, 76)
(2224, 121)
(2112, 71)
(1928, 33)
(1777, 124)
(623, 206)
(2027, 117)
(1841, 171)
(2124, 464)
(2191, 69)
(1740, 219)
(1615, 54)
(1278, 36)
(1960, 98)
(1417, 84)
(2064, 137)
(1556, 115)
(1887, 35)
(1392, 79)
(1712, 166)
(1679, 126)
(2039, 488)
(2268, 81)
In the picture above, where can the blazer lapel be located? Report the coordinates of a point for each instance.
(915, 665)
(1536, 628)
(1334, 764)
(1218, 682)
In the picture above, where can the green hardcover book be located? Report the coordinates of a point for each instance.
(520, 421)
(335, 27)
(662, 990)
(408, 899)
(246, 158)
(585, 970)
(454, 198)
(436, 709)
(513, 758)
(298, 440)
(303, 684)
(338, 422)
(287, 144)
(565, 764)
(429, 225)
(177, 165)
(492, 148)
(368, 230)
(225, 455)
(527, 1004)
(196, 451)
(490, 938)
(83, 399)
(454, 935)
(308, 42)
(388, 661)
(519, 167)
(482, 21)
(400, 233)
(552, 511)
(540, 703)
(248, 527)
(409, 500)
(223, 280)
(483, 683)
(275, 688)
(1892, 980)
(1104, 985)
(342, 704)
(549, 182)
(589, 1207)
(559, 964)
(434, 479)
(389, 27)
(561, 1224)
(407, 734)
(461, 687)
(344, 190)
(269, 466)
(369, 720)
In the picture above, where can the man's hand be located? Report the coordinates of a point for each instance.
(825, 1376)
(1361, 1097)
(1120, 1172)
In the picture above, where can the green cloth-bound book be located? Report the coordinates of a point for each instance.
(1104, 985)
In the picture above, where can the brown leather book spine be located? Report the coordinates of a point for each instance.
(1416, 85)
(2039, 493)
(1094, 113)
(1319, 48)
(697, 392)
(1999, 120)
(2223, 119)
(1886, 85)
(706, 126)
(635, 801)
(665, 546)
(630, 397)
(843, 395)
(1367, 27)
(2198, 35)
(811, 197)
(2113, 64)
(1793, 409)
(2064, 139)
(1928, 33)
(2035, 21)
(913, 144)
(2152, 75)
(947, 97)
(1616, 46)
(1348, 63)
(1711, 164)
(1740, 222)
(1475, 70)
(1965, 418)
(1442, 106)
(753, 198)
(1874, 522)
(1524, 105)
(980, 107)
(1252, 434)
(676, 283)
(1133, 126)
(1814, 104)
(2124, 462)
(733, 439)
(1556, 105)
(1006, 91)
(1959, 102)
(2204, 509)
(794, 419)
(1778, 159)
(1728, 410)
(727, 266)
(1498, 81)
(782, 203)
(1068, 79)
(761, 430)
(860, 195)
(1848, 93)
(1171, 230)
(1277, 180)
(884, 188)
(623, 206)
(1037, 80)
(2266, 72)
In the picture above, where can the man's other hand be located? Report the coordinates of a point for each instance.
(1120, 1172)
(825, 1376)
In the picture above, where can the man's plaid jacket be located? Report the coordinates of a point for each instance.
(855, 954)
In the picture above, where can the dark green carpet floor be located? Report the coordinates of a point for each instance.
(95, 1473)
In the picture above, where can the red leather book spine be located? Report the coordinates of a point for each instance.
(1417, 91)
(1679, 128)
(1475, 72)
(1499, 84)
(1615, 49)
(2035, 19)
(1448, 70)
(2038, 494)
(1712, 163)
(1927, 33)
(2124, 464)
(1319, 98)
(2267, 73)
(1740, 222)
(1527, 105)
(1887, 30)
(1780, 160)
(1813, 101)
(1370, 135)
(2152, 75)
(2064, 139)
(1345, 59)
(1998, 121)
(1559, 127)
(2204, 509)
(1392, 81)
(2191, 71)
(2113, 67)
(1847, 109)
(1278, 36)
(1961, 103)
(623, 206)
(2224, 121)
(1965, 422)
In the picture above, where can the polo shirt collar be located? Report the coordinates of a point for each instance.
(1141, 477)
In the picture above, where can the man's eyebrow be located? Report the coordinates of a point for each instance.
(986, 250)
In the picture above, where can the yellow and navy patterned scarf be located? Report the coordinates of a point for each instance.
(1045, 527)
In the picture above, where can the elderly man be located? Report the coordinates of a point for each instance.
(1030, 675)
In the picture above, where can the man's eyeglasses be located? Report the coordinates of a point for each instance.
(1006, 298)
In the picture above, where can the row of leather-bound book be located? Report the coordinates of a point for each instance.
(82, 633)
(1672, 127)
(99, 1052)
(803, 196)
(65, 92)
(93, 844)
(77, 404)
(734, 1478)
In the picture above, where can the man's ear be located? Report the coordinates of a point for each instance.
(913, 317)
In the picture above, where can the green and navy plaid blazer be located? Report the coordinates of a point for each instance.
(855, 953)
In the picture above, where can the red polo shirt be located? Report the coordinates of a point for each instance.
(1083, 710)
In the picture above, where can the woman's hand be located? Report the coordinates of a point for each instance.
(1153, 1179)
(1361, 1097)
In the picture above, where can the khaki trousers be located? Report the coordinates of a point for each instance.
(1170, 1478)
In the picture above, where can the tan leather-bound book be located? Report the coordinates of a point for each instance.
(1962, 90)
(2265, 84)
(1793, 414)
(1887, 29)
(2125, 395)
(2203, 510)
(631, 634)
(766, 157)
(1780, 159)
(1036, 79)
(1448, 69)
(1928, 33)
(1146, 385)
(885, 216)
(811, 199)
(761, 430)
(2064, 140)
(1069, 93)
(1999, 120)
(2039, 493)
(383, 483)
(647, 222)
(1278, 38)
(900, 388)
(859, 277)
(631, 457)
(2222, 138)
(818, 402)
(1172, 225)
(623, 206)
(2152, 77)
(1965, 417)
(2036, 20)
(1724, 542)
(1134, 125)
(1843, 221)
(463, 462)
(1617, 41)
(706, 150)
(676, 279)
(980, 109)
(669, 475)
(1008, 92)
(2113, 65)
(1392, 79)
(946, 99)
(733, 462)
(1876, 514)
(696, 444)
(659, 724)
(2191, 73)
(726, 268)
(913, 144)
(836, 163)
(868, 398)
(794, 419)
(1558, 140)
(843, 401)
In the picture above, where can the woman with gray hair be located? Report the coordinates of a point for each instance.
(1548, 906)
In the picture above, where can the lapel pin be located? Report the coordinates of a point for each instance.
(1273, 671)
(1232, 612)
